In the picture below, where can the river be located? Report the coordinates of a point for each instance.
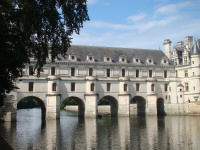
(105, 133)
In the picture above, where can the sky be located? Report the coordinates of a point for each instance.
(141, 24)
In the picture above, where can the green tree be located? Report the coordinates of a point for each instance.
(33, 28)
(104, 101)
(68, 101)
(27, 102)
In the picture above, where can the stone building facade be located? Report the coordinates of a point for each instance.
(158, 82)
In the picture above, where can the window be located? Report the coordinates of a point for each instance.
(165, 87)
(169, 88)
(72, 86)
(180, 96)
(185, 60)
(108, 72)
(108, 86)
(30, 86)
(53, 70)
(31, 71)
(150, 60)
(90, 71)
(108, 59)
(150, 73)
(192, 62)
(152, 87)
(90, 58)
(72, 57)
(136, 60)
(125, 87)
(54, 87)
(165, 61)
(72, 71)
(176, 73)
(186, 87)
(166, 97)
(137, 73)
(137, 87)
(165, 73)
(123, 72)
(193, 73)
(92, 87)
(186, 73)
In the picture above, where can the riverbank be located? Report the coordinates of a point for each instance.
(4, 145)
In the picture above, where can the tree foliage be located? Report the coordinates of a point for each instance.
(33, 28)
(104, 101)
(27, 102)
(68, 101)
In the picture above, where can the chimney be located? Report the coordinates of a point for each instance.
(181, 44)
(167, 48)
(188, 42)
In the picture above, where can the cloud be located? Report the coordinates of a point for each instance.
(91, 2)
(171, 8)
(137, 17)
(139, 26)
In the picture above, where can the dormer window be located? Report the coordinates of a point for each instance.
(72, 57)
(164, 61)
(107, 59)
(90, 58)
(122, 59)
(149, 60)
(136, 60)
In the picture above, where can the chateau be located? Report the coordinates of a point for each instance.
(157, 82)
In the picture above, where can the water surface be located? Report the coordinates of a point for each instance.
(105, 133)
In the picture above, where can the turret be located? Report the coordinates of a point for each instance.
(167, 48)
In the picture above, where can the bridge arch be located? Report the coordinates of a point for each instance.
(81, 105)
(113, 105)
(141, 105)
(160, 107)
(41, 103)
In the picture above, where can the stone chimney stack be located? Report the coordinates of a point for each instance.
(167, 48)
(181, 44)
(188, 42)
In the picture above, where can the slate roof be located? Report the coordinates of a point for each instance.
(196, 47)
(99, 52)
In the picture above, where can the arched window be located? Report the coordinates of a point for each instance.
(125, 87)
(92, 86)
(152, 87)
(54, 87)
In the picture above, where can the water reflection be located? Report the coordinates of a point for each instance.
(70, 132)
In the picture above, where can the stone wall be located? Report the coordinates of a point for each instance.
(176, 109)
(101, 109)
(105, 109)
(194, 108)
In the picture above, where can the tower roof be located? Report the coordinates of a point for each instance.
(196, 47)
